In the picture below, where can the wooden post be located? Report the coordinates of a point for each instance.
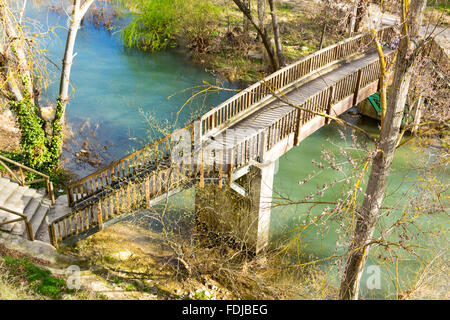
(230, 166)
(147, 193)
(52, 235)
(69, 196)
(22, 176)
(99, 215)
(29, 230)
(330, 104)
(202, 171)
(51, 192)
(262, 154)
(358, 84)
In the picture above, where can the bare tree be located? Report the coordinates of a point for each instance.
(261, 9)
(361, 12)
(262, 33)
(357, 15)
(276, 35)
(408, 51)
(246, 22)
(78, 13)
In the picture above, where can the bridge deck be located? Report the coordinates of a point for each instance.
(256, 129)
(276, 110)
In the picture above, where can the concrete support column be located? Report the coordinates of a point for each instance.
(245, 218)
(261, 188)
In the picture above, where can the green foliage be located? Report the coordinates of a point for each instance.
(284, 6)
(41, 281)
(39, 151)
(33, 140)
(202, 295)
(154, 27)
(159, 22)
(441, 5)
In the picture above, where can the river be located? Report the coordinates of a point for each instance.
(114, 85)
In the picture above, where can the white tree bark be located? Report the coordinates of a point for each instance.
(77, 14)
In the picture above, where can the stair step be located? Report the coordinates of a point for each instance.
(29, 212)
(17, 202)
(3, 182)
(32, 207)
(38, 218)
(7, 191)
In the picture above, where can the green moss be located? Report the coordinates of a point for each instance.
(41, 281)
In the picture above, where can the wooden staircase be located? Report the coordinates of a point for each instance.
(21, 200)
(23, 209)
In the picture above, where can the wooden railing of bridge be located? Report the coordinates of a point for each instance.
(242, 104)
(112, 191)
(249, 99)
(122, 169)
(436, 53)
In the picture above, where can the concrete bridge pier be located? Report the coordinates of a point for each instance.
(238, 212)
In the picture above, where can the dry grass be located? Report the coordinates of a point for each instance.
(185, 263)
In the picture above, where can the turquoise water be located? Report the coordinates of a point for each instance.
(320, 241)
(113, 87)
(112, 84)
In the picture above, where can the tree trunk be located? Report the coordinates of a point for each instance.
(361, 12)
(260, 10)
(265, 38)
(58, 123)
(246, 22)
(77, 14)
(390, 132)
(276, 34)
(353, 18)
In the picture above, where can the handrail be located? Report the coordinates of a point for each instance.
(243, 102)
(115, 202)
(121, 169)
(22, 218)
(21, 179)
(257, 93)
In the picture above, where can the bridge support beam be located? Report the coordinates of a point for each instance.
(224, 213)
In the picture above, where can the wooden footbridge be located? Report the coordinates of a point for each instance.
(253, 128)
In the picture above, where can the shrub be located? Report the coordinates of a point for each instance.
(158, 23)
